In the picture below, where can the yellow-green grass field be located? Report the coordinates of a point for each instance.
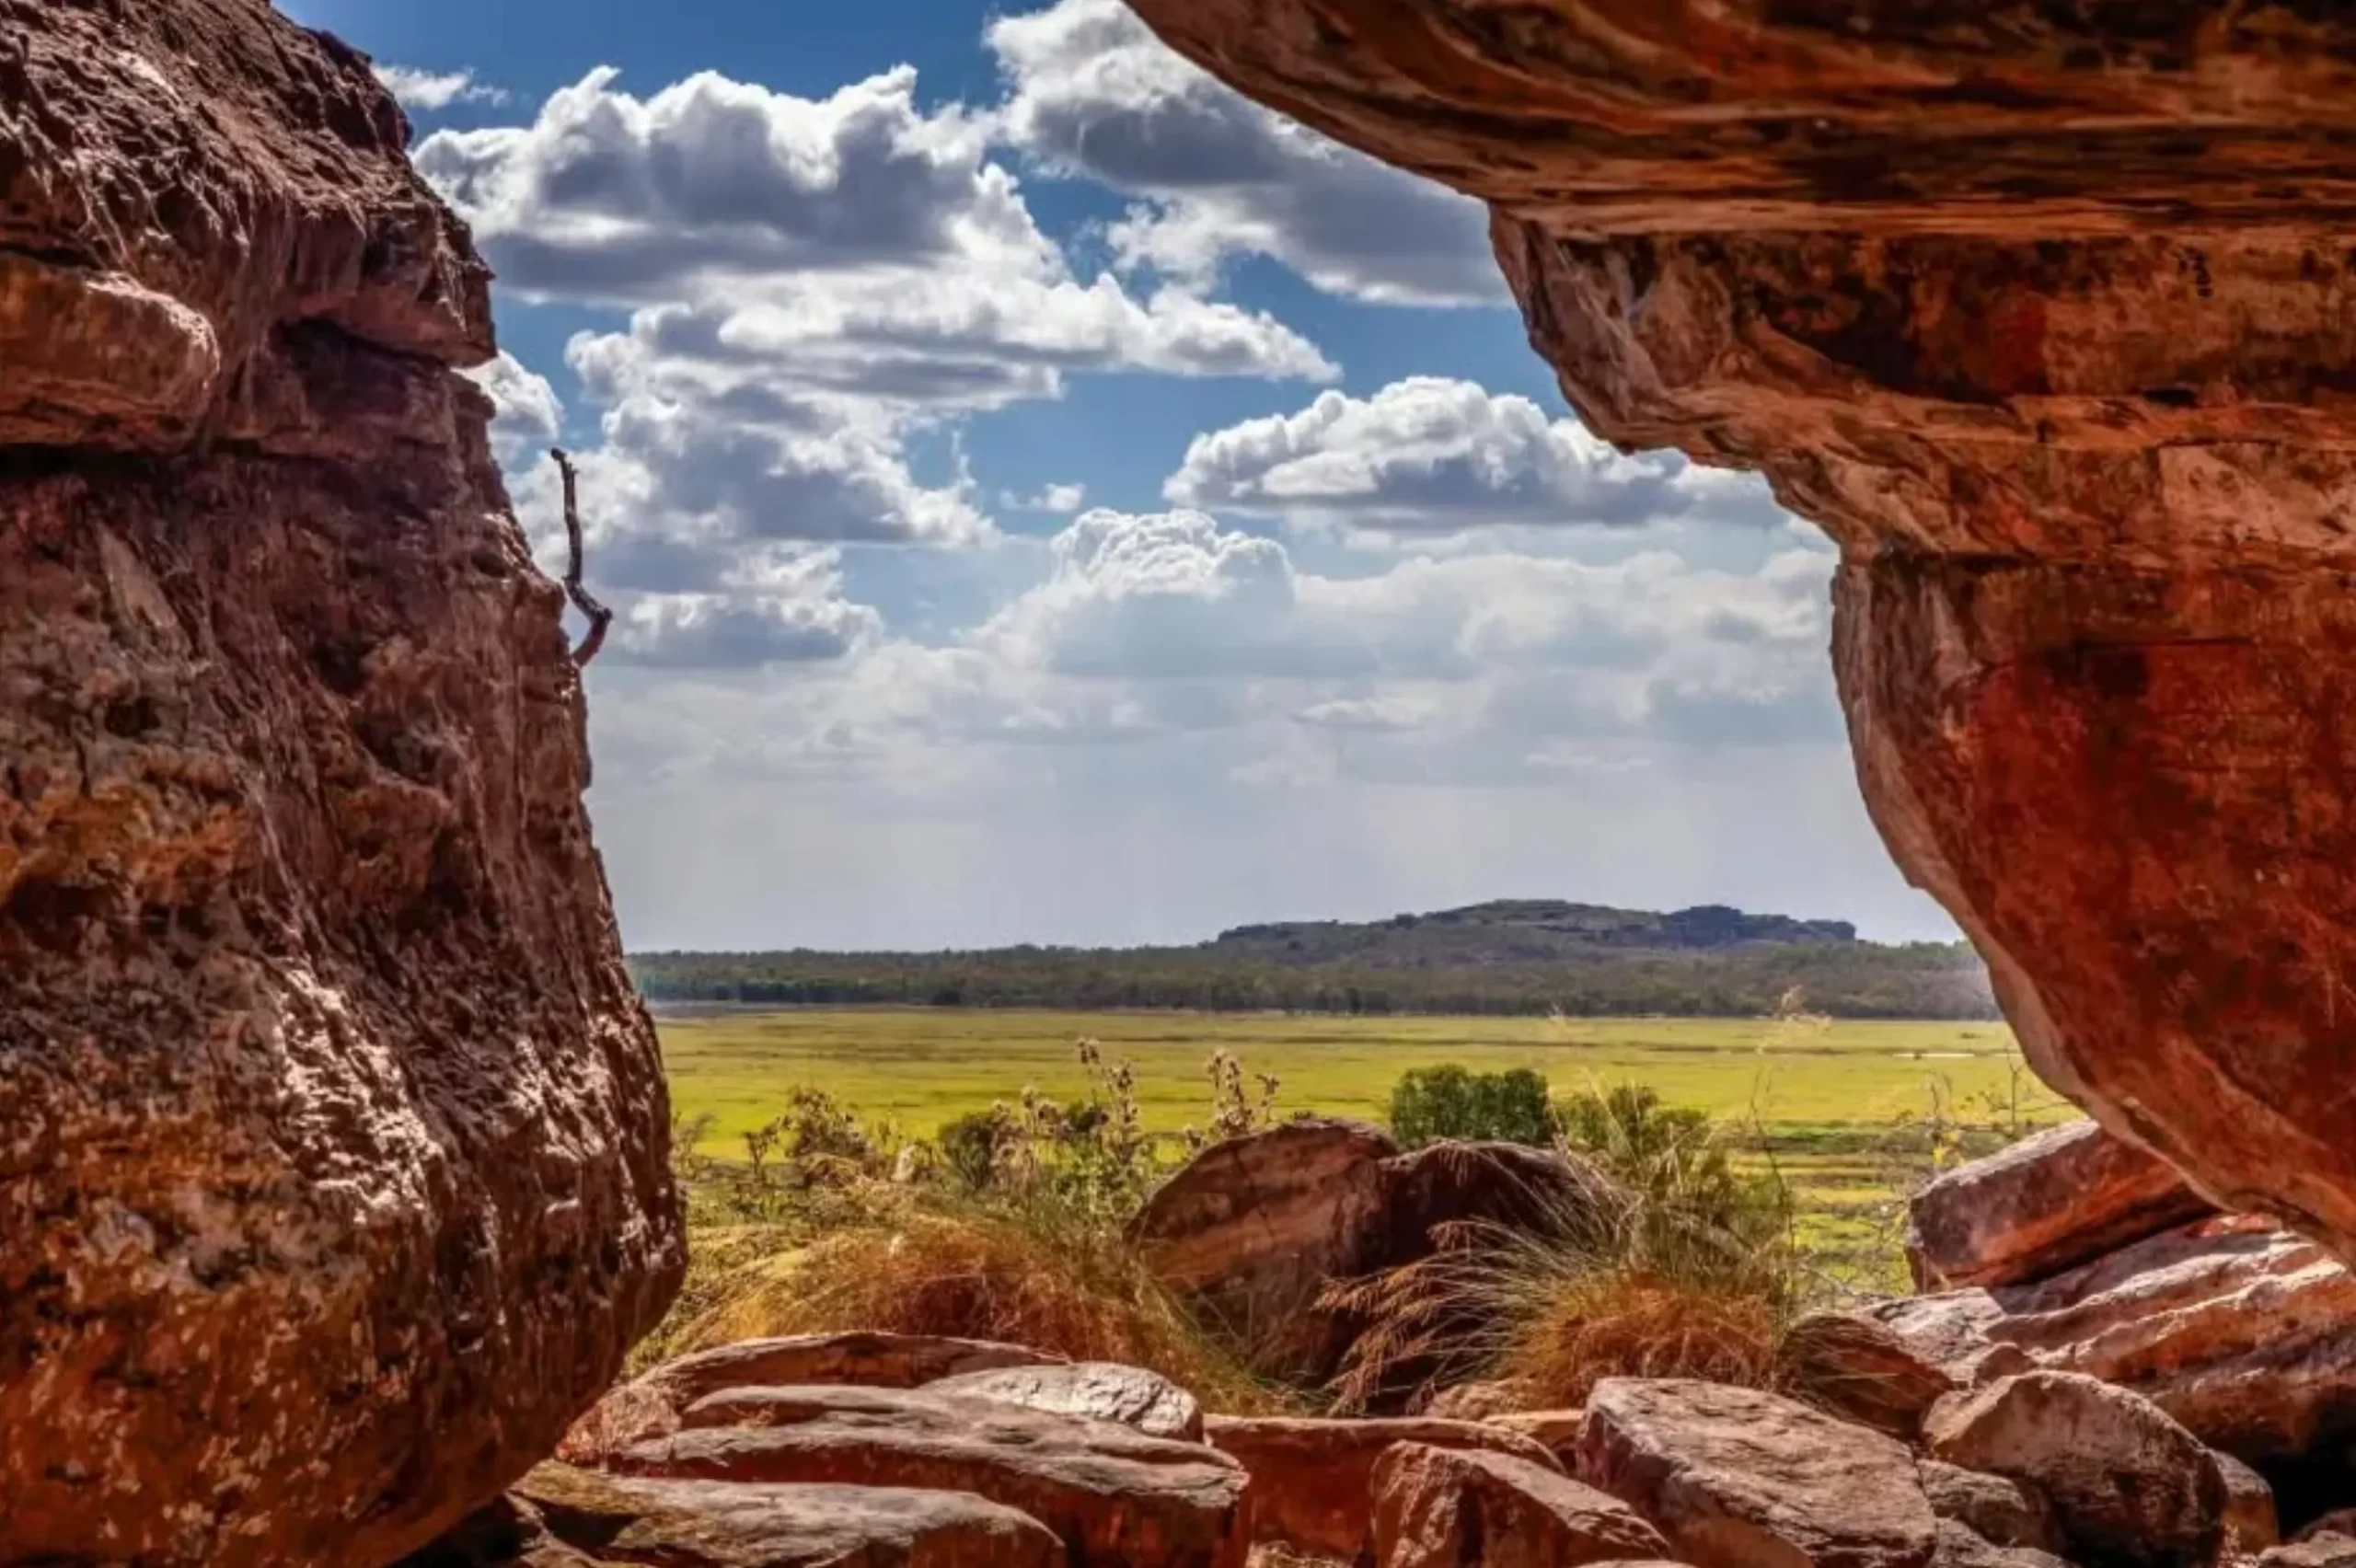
(1826, 1098)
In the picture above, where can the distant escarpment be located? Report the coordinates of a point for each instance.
(1512, 956)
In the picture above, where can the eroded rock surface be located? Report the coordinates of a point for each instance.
(1738, 1479)
(2129, 1487)
(2241, 1332)
(1100, 1390)
(1110, 1494)
(2045, 313)
(561, 1518)
(1459, 1509)
(652, 1404)
(2049, 1203)
(333, 1134)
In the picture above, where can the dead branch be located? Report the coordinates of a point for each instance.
(599, 617)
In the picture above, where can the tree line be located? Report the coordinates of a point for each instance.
(1922, 980)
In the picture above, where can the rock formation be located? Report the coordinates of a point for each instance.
(2045, 313)
(332, 1136)
(1253, 1229)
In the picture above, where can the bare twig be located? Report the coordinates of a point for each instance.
(599, 617)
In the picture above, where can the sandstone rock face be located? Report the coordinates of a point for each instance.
(2049, 1203)
(333, 1176)
(561, 1518)
(1456, 1508)
(1739, 1479)
(1097, 1389)
(1110, 1494)
(652, 1404)
(2129, 1487)
(1312, 1480)
(2242, 1332)
(2043, 313)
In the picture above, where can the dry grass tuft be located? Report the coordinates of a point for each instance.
(1629, 1326)
(988, 1275)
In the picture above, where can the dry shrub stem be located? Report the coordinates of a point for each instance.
(600, 617)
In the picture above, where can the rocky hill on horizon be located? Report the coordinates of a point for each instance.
(1504, 956)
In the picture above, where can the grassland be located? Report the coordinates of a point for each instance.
(1838, 1107)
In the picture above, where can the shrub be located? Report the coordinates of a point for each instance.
(1678, 1266)
(1429, 1104)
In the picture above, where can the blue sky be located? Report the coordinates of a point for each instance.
(1049, 498)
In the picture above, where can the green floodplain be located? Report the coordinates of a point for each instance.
(1839, 1107)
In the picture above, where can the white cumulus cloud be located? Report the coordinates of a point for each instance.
(1430, 456)
(1092, 91)
(432, 91)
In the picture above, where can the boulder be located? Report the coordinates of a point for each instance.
(2052, 1201)
(2240, 1331)
(1111, 1493)
(649, 1405)
(1253, 1229)
(1961, 1547)
(2128, 1485)
(558, 1517)
(1998, 1508)
(1469, 1508)
(1958, 1331)
(1739, 1479)
(2244, 1333)
(2041, 313)
(1860, 1370)
(1100, 1391)
(2251, 1524)
(1311, 1478)
(336, 1180)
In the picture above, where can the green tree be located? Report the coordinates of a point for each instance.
(1429, 1104)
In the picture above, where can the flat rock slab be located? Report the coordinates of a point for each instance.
(1100, 1391)
(649, 1404)
(1111, 1493)
(1471, 1508)
(558, 1516)
(1739, 1479)
(1312, 1480)
(2047, 1203)
(2128, 1486)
